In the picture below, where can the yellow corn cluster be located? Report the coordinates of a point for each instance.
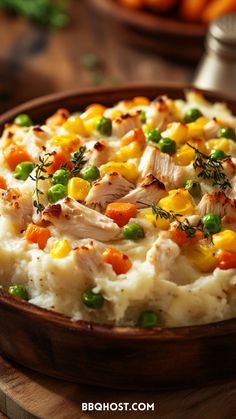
(130, 151)
(158, 222)
(222, 144)
(196, 128)
(75, 124)
(68, 142)
(225, 240)
(184, 155)
(177, 131)
(60, 249)
(78, 188)
(179, 201)
(90, 117)
(202, 257)
(128, 170)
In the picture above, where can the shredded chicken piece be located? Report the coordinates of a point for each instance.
(151, 190)
(163, 252)
(17, 206)
(71, 217)
(211, 128)
(99, 154)
(110, 188)
(88, 260)
(124, 123)
(163, 111)
(218, 203)
(162, 166)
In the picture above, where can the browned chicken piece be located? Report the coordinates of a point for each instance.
(162, 166)
(110, 188)
(163, 112)
(211, 128)
(151, 190)
(124, 123)
(99, 154)
(218, 203)
(79, 221)
(16, 206)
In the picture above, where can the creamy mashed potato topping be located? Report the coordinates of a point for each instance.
(123, 215)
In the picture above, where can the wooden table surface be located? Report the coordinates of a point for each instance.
(25, 394)
(34, 61)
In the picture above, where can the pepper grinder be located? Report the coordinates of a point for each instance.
(217, 69)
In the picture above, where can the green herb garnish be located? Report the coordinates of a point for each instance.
(41, 174)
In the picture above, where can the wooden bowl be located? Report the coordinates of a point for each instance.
(126, 358)
(163, 34)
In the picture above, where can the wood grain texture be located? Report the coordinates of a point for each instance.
(27, 395)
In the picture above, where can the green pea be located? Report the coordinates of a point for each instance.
(133, 231)
(153, 135)
(19, 291)
(104, 126)
(148, 319)
(92, 299)
(61, 176)
(23, 170)
(211, 223)
(194, 188)
(192, 115)
(168, 146)
(90, 173)
(227, 133)
(23, 120)
(56, 192)
(217, 154)
(143, 117)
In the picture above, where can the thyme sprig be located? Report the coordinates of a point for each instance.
(41, 174)
(210, 169)
(78, 160)
(184, 225)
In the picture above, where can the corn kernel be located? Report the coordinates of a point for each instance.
(93, 110)
(131, 151)
(113, 113)
(222, 144)
(141, 100)
(78, 188)
(69, 142)
(128, 170)
(148, 124)
(179, 201)
(202, 257)
(177, 131)
(195, 129)
(75, 125)
(60, 249)
(158, 222)
(184, 155)
(225, 240)
(90, 124)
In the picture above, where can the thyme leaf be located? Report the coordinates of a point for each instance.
(40, 169)
(210, 169)
(78, 159)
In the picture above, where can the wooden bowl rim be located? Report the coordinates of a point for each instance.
(150, 21)
(220, 328)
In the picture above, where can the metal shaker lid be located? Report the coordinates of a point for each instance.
(221, 36)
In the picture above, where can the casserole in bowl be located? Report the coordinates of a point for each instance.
(108, 347)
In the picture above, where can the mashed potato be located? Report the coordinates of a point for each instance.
(105, 214)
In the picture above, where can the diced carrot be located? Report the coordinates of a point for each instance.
(3, 183)
(226, 259)
(14, 154)
(180, 237)
(58, 159)
(37, 234)
(58, 118)
(136, 134)
(119, 261)
(121, 212)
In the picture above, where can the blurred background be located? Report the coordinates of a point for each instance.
(49, 46)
